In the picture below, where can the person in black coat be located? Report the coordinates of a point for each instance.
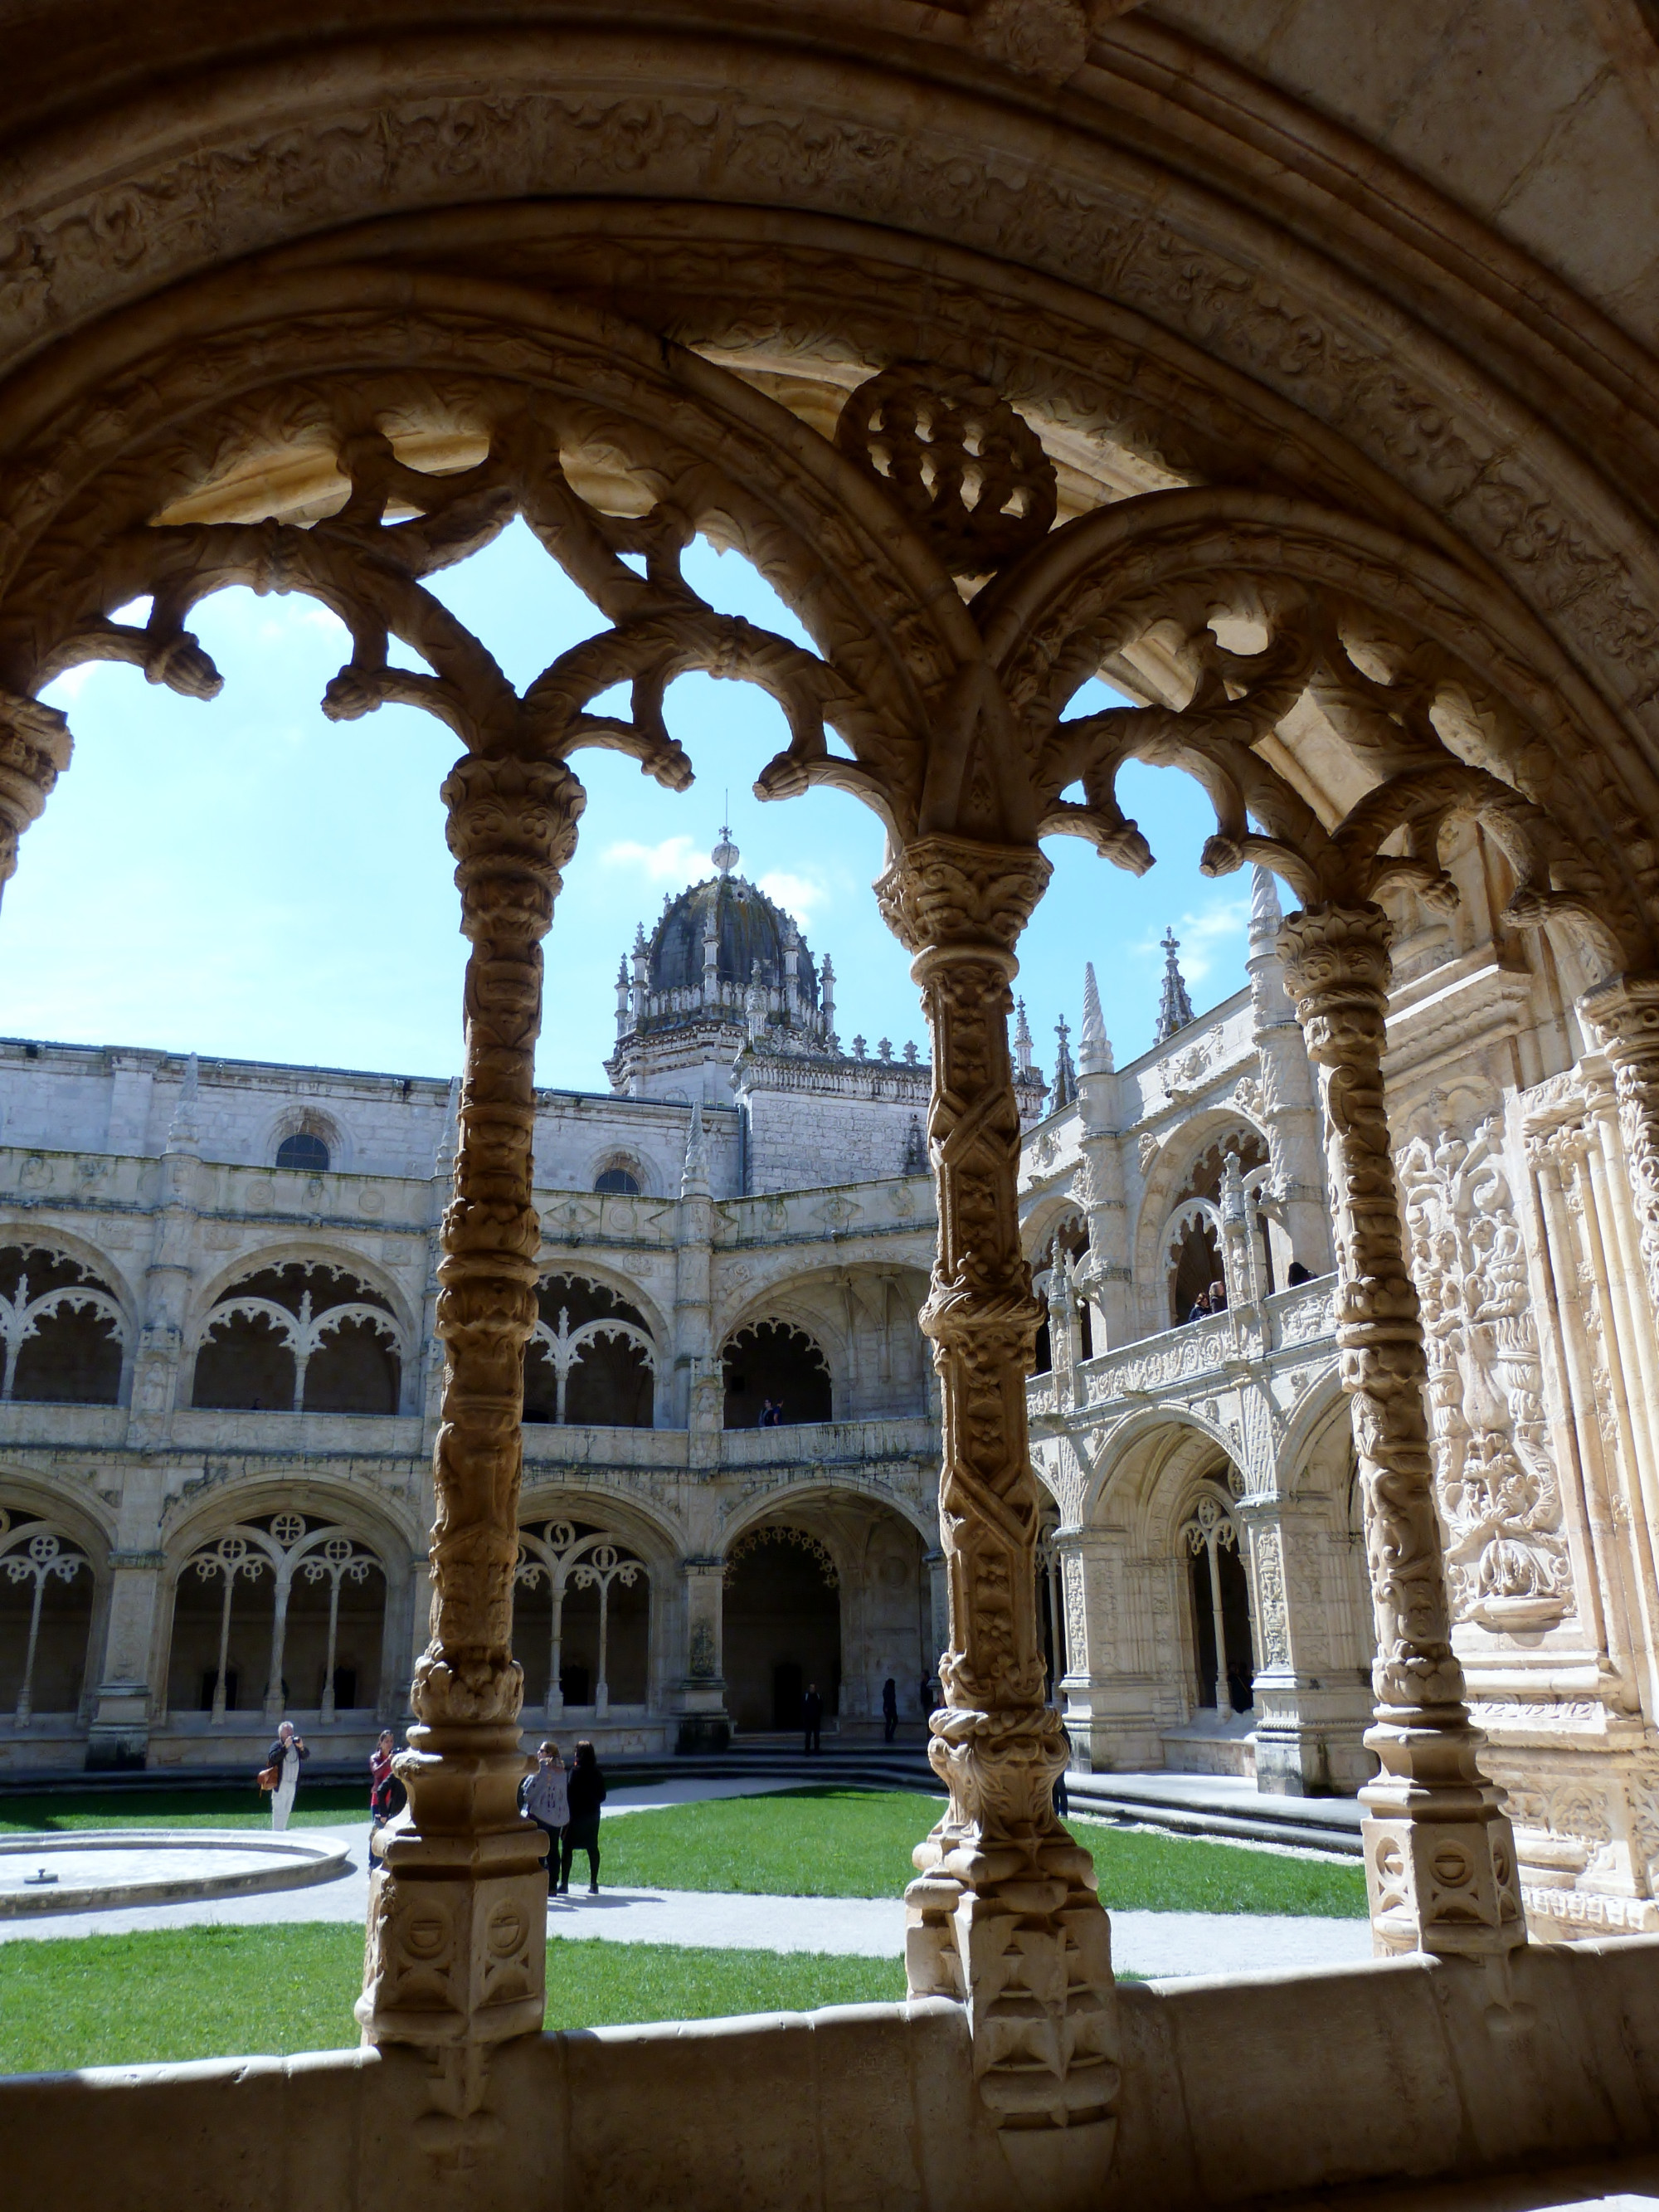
(587, 1794)
(889, 1708)
(811, 1713)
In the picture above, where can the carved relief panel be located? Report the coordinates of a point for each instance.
(1500, 1503)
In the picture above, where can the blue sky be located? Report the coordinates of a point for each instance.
(243, 878)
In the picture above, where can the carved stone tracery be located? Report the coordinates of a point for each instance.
(1506, 1554)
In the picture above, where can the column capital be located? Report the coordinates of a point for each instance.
(1623, 1013)
(34, 750)
(954, 891)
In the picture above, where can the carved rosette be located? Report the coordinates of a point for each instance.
(1439, 1857)
(1625, 1015)
(456, 1944)
(1005, 1915)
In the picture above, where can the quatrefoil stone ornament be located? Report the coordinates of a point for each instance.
(968, 470)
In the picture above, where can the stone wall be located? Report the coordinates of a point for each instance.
(1270, 2086)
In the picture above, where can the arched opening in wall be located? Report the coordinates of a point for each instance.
(304, 1151)
(1219, 1595)
(621, 1178)
(61, 1332)
(47, 1593)
(302, 1337)
(581, 1618)
(1195, 1263)
(776, 1376)
(224, 1607)
(335, 1624)
(1194, 1270)
(1066, 1247)
(591, 1360)
(782, 1627)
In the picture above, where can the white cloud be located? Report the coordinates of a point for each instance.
(669, 861)
(798, 895)
(1197, 934)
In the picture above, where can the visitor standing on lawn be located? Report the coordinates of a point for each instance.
(586, 1793)
(285, 1755)
(546, 1800)
(386, 1795)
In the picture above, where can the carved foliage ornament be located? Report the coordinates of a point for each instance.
(1506, 1552)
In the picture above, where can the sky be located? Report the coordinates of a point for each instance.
(243, 878)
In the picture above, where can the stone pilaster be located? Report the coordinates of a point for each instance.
(1439, 1855)
(1005, 1915)
(703, 1722)
(1623, 1013)
(456, 1922)
(123, 1703)
(1098, 1188)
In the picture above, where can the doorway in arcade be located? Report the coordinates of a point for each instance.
(782, 1628)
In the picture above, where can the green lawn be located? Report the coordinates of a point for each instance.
(179, 1808)
(857, 1842)
(219, 1992)
(821, 1842)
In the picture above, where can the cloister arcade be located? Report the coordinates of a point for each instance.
(1017, 346)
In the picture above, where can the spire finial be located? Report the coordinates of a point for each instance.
(725, 855)
(1022, 1037)
(694, 1176)
(1095, 1046)
(1175, 1009)
(1064, 1089)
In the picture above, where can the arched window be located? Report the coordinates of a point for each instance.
(773, 1360)
(300, 1337)
(591, 1360)
(60, 1330)
(619, 1180)
(304, 1150)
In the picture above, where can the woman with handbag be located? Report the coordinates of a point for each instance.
(285, 1756)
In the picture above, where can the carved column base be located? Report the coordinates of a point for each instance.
(1008, 1923)
(1440, 1860)
(456, 1951)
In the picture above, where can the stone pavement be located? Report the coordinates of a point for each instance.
(1152, 1945)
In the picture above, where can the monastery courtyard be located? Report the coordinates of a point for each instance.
(1187, 1907)
(830, 840)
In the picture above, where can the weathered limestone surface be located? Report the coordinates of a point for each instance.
(1233, 2091)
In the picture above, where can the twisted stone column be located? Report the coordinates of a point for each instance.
(457, 1923)
(1625, 1016)
(1439, 1857)
(1004, 1916)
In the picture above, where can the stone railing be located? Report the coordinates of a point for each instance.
(1168, 1363)
(830, 1443)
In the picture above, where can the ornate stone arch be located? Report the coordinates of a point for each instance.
(307, 1117)
(815, 1487)
(70, 1318)
(1171, 1168)
(304, 1252)
(629, 1159)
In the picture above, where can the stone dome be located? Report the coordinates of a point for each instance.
(749, 929)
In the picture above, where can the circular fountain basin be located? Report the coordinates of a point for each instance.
(98, 1869)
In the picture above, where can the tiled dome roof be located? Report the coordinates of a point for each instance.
(750, 928)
